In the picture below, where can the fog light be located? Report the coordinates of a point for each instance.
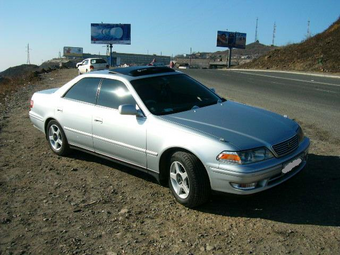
(244, 186)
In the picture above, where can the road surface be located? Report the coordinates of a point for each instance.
(312, 100)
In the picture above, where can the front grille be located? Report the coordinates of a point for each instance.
(286, 147)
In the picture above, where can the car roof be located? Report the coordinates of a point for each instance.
(136, 72)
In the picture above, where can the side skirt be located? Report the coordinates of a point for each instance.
(153, 174)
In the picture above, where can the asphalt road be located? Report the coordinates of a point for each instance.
(312, 100)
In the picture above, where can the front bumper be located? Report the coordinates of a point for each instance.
(265, 174)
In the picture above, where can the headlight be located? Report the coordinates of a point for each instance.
(244, 157)
(300, 134)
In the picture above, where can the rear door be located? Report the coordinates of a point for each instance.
(98, 64)
(122, 137)
(75, 112)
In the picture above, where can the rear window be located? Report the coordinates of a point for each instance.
(84, 90)
(98, 61)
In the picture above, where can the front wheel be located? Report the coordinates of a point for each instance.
(57, 139)
(188, 180)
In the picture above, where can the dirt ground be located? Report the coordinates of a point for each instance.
(86, 205)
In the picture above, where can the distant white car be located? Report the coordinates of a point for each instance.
(92, 64)
(183, 66)
(79, 63)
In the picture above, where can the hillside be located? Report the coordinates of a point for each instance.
(18, 76)
(254, 49)
(319, 53)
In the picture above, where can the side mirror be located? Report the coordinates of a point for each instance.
(213, 90)
(129, 109)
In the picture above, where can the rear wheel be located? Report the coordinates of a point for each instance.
(188, 180)
(57, 139)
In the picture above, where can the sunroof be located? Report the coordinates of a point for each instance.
(142, 70)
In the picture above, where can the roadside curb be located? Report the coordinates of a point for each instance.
(336, 76)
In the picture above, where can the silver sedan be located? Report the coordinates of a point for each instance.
(167, 124)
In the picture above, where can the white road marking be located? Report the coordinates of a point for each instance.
(283, 78)
(324, 90)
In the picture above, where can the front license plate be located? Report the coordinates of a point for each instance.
(291, 165)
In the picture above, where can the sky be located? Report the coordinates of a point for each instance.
(167, 27)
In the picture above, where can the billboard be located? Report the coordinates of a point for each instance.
(231, 39)
(73, 51)
(110, 33)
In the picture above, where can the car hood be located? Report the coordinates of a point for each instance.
(242, 126)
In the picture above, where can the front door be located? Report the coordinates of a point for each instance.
(122, 137)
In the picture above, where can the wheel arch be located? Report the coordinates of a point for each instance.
(165, 159)
(46, 124)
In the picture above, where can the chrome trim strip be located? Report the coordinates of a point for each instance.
(152, 153)
(120, 144)
(155, 154)
(126, 145)
(36, 116)
(77, 131)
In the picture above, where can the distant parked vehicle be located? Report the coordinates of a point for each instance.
(79, 63)
(183, 66)
(92, 64)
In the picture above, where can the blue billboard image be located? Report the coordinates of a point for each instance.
(110, 33)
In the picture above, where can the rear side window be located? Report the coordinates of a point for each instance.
(98, 61)
(113, 93)
(84, 90)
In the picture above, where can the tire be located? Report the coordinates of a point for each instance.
(188, 180)
(79, 73)
(57, 138)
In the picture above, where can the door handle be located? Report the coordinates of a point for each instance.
(59, 110)
(99, 120)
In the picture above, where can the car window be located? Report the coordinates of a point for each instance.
(85, 62)
(173, 93)
(113, 93)
(84, 90)
(98, 61)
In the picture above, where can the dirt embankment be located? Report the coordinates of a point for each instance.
(85, 205)
(320, 53)
(13, 78)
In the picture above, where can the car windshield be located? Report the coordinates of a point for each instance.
(173, 93)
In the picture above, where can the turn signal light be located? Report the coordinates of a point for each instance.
(31, 104)
(231, 157)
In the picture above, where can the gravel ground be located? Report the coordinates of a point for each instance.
(86, 205)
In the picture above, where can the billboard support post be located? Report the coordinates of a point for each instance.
(111, 59)
(229, 59)
(231, 40)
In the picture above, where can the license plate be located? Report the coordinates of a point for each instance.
(291, 165)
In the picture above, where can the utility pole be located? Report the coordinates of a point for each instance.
(107, 50)
(59, 56)
(308, 30)
(274, 31)
(257, 20)
(28, 54)
(190, 56)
